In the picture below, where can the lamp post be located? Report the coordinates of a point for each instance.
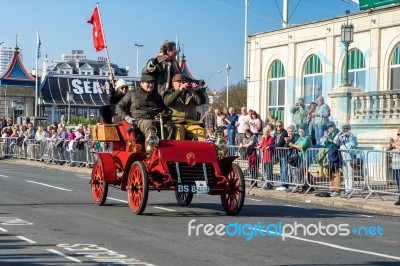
(346, 38)
(227, 69)
(216, 72)
(70, 97)
(137, 58)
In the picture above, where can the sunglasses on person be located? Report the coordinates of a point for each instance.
(278, 125)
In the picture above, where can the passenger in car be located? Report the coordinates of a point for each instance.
(183, 98)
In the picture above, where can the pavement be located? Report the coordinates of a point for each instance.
(373, 205)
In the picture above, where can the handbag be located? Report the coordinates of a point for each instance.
(60, 143)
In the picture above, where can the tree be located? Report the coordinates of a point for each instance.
(237, 96)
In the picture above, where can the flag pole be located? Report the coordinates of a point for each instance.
(105, 42)
(36, 73)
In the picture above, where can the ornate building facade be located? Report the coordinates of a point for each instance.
(309, 61)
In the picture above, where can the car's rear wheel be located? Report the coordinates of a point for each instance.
(232, 197)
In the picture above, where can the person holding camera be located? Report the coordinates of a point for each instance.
(321, 118)
(347, 141)
(139, 103)
(163, 67)
(183, 98)
(300, 115)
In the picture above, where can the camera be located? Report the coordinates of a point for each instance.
(199, 82)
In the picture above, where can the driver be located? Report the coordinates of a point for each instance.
(135, 107)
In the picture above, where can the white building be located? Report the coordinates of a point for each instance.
(6, 54)
(308, 61)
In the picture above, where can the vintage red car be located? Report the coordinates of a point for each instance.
(138, 165)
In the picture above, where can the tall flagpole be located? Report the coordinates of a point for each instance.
(245, 74)
(36, 73)
(108, 56)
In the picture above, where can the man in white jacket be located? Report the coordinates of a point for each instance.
(348, 141)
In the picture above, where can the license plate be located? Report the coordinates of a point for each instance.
(199, 188)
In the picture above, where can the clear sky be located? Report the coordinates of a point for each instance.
(212, 31)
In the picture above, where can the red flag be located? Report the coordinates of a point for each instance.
(98, 37)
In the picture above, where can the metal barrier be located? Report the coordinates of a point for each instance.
(383, 172)
(348, 175)
(374, 171)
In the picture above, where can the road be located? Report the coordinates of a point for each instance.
(47, 217)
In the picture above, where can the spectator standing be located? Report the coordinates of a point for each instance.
(231, 121)
(210, 119)
(279, 142)
(271, 119)
(250, 142)
(394, 146)
(311, 121)
(220, 117)
(266, 141)
(321, 118)
(40, 134)
(243, 123)
(300, 115)
(347, 141)
(332, 143)
(255, 123)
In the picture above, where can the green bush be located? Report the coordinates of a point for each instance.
(76, 120)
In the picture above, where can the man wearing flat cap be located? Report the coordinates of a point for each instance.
(183, 102)
(348, 141)
(135, 105)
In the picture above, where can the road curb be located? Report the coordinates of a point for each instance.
(369, 207)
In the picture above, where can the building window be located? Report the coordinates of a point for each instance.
(395, 69)
(276, 83)
(357, 69)
(312, 79)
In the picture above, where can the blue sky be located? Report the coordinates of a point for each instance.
(212, 31)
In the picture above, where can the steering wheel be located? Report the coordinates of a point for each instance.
(159, 110)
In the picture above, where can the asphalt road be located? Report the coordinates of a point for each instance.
(47, 217)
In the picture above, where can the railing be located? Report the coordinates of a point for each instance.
(373, 172)
(382, 105)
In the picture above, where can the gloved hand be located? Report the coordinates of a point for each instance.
(162, 58)
(151, 65)
(131, 120)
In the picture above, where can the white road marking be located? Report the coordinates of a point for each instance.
(363, 215)
(124, 201)
(339, 247)
(253, 199)
(3, 230)
(26, 239)
(4, 176)
(165, 209)
(294, 206)
(161, 208)
(64, 255)
(46, 185)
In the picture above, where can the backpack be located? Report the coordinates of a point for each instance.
(293, 157)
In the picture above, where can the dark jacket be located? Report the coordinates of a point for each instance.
(114, 97)
(279, 139)
(163, 71)
(183, 104)
(137, 103)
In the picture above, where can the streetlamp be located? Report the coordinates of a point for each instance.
(227, 69)
(346, 38)
(137, 58)
(219, 71)
(70, 97)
